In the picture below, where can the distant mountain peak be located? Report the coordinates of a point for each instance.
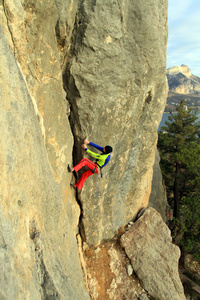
(182, 81)
(185, 70)
(182, 85)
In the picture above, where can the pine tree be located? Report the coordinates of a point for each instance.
(190, 201)
(179, 147)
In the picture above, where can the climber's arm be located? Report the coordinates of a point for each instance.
(93, 145)
(96, 146)
(93, 154)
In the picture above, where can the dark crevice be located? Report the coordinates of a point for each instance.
(147, 101)
(60, 40)
(73, 95)
(149, 98)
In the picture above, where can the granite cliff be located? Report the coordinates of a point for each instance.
(70, 70)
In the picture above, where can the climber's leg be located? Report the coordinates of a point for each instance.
(84, 162)
(83, 178)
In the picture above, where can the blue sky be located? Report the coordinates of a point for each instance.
(184, 34)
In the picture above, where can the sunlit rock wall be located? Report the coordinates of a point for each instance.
(116, 84)
(110, 56)
(39, 213)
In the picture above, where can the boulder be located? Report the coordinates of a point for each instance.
(110, 275)
(153, 256)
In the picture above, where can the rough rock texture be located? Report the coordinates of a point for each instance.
(158, 197)
(107, 274)
(154, 258)
(38, 249)
(35, 48)
(64, 27)
(111, 57)
(116, 84)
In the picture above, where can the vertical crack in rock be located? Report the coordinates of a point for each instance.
(73, 95)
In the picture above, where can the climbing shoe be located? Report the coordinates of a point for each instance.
(73, 185)
(70, 168)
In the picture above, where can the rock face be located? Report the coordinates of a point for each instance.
(145, 251)
(116, 85)
(108, 274)
(153, 256)
(38, 246)
(70, 70)
(158, 197)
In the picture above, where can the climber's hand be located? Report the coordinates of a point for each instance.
(84, 146)
(86, 142)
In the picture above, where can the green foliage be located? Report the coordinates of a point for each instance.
(179, 147)
(190, 225)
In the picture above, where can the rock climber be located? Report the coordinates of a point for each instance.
(94, 168)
